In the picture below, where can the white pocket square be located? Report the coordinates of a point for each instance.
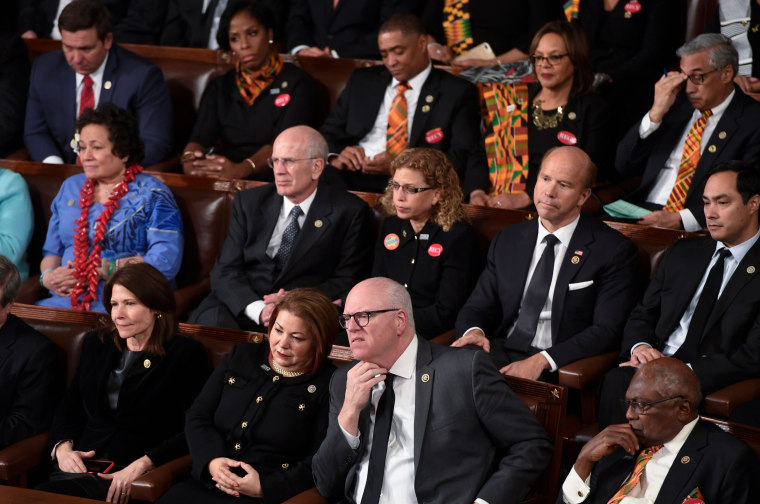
(579, 285)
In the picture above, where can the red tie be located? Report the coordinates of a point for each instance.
(87, 98)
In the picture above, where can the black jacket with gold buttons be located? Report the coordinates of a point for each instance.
(248, 412)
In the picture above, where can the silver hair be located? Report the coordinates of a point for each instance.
(722, 51)
(316, 145)
(398, 297)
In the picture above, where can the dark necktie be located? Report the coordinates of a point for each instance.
(381, 433)
(288, 238)
(534, 300)
(87, 97)
(688, 350)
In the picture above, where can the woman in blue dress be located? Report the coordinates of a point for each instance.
(108, 216)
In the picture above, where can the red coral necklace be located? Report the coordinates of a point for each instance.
(86, 266)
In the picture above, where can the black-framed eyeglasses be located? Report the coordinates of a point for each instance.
(361, 318)
(286, 162)
(407, 188)
(698, 78)
(641, 408)
(552, 59)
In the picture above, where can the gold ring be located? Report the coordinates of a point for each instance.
(123, 493)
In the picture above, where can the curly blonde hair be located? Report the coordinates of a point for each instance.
(439, 174)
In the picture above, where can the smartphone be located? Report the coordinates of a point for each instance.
(98, 466)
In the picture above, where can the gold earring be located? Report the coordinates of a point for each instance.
(159, 315)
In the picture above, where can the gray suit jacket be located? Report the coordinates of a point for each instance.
(473, 438)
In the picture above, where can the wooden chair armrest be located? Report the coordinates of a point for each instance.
(583, 372)
(152, 485)
(723, 401)
(170, 165)
(310, 496)
(22, 154)
(445, 339)
(19, 457)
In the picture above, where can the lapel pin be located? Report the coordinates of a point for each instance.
(70, 202)
(575, 259)
(107, 84)
(425, 378)
(284, 84)
(722, 135)
(257, 339)
(750, 269)
(712, 149)
(426, 108)
(302, 407)
(685, 459)
(312, 389)
(146, 363)
(571, 116)
(318, 223)
(232, 380)
(429, 99)
(404, 233)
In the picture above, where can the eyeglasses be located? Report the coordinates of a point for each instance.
(286, 162)
(551, 60)
(641, 408)
(699, 78)
(361, 318)
(407, 188)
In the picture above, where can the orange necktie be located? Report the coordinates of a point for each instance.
(635, 476)
(689, 161)
(87, 97)
(397, 134)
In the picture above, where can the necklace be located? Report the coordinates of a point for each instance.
(86, 265)
(542, 121)
(286, 374)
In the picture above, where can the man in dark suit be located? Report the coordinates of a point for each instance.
(529, 328)
(703, 302)
(135, 21)
(14, 84)
(685, 134)
(419, 422)
(296, 232)
(664, 453)
(440, 111)
(89, 70)
(339, 28)
(30, 376)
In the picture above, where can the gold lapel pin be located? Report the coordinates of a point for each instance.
(575, 259)
(425, 378)
(750, 269)
(722, 135)
(712, 149)
(685, 459)
(107, 84)
(318, 223)
(146, 363)
(312, 389)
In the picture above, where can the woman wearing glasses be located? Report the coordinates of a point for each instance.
(246, 108)
(562, 110)
(426, 243)
(263, 412)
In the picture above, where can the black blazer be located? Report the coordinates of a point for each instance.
(720, 465)
(248, 412)
(446, 102)
(351, 29)
(331, 253)
(473, 438)
(150, 412)
(14, 84)
(736, 136)
(31, 380)
(438, 268)
(730, 344)
(592, 297)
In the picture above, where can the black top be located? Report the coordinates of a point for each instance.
(152, 401)
(248, 412)
(439, 269)
(224, 116)
(586, 119)
(14, 84)
(504, 24)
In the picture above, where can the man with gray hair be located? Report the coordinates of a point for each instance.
(296, 232)
(418, 422)
(685, 134)
(29, 371)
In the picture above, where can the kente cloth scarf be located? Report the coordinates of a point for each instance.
(456, 25)
(571, 8)
(251, 85)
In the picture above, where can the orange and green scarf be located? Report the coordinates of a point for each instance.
(456, 25)
(251, 85)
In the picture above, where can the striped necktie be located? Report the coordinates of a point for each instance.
(689, 161)
(635, 476)
(397, 134)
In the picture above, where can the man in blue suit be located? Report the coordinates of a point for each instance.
(91, 69)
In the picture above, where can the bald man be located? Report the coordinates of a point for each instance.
(454, 431)
(296, 232)
(692, 458)
(537, 307)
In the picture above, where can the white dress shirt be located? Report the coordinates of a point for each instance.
(575, 490)
(678, 336)
(254, 309)
(668, 175)
(398, 479)
(97, 85)
(374, 142)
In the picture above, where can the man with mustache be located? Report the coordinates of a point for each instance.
(555, 289)
(685, 134)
